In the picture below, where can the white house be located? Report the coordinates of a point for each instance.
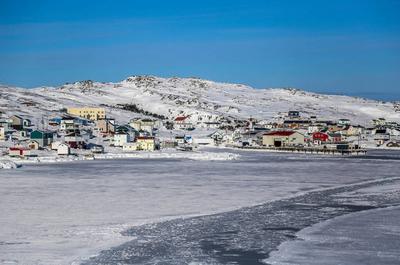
(63, 149)
(120, 139)
(211, 124)
(2, 134)
(282, 138)
(54, 145)
(182, 122)
(217, 136)
(143, 125)
(394, 132)
(203, 141)
(130, 147)
(344, 122)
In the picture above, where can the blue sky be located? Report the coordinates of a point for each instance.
(345, 47)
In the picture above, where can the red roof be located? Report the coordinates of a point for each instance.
(180, 118)
(18, 149)
(280, 133)
(145, 138)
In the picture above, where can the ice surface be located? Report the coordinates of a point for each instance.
(244, 236)
(62, 213)
(365, 238)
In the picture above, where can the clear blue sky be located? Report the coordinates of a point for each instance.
(341, 46)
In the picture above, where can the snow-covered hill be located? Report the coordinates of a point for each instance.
(202, 99)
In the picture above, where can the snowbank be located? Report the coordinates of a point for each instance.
(200, 155)
(6, 164)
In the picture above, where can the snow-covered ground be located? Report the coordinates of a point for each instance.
(65, 212)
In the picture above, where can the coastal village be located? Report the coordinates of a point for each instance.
(87, 131)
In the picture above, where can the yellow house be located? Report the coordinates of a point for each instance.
(146, 143)
(88, 113)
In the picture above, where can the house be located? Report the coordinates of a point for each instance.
(203, 141)
(180, 139)
(33, 145)
(63, 149)
(282, 138)
(121, 138)
(69, 125)
(2, 134)
(105, 126)
(54, 145)
(141, 144)
(381, 136)
(128, 130)
(146, 143)
(17, 122)
(26, 123)
(44, 138)
(147, 125)
(74, 140)
(294, 124)
(314, 128)
(22, 134)
(182, 123)
(379, 122)
(293, 114)
(143, 125)
(6, 124)
(217, 136)
(89, 113)
(211, 124)
(97, 149)
(320, 137)
(143, 133)
(352, 130)
(343, 122)
(130, 147)
(19, 152)
(334, 137)
(86, 134)
(394, 131)
(55, 121)
(183, 139)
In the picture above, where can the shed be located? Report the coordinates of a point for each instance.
(63, 149)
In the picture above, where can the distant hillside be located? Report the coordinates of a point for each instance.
(202, 99)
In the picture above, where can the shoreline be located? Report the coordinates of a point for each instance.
(170, 154)
(204, 154)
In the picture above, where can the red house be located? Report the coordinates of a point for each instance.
(180, 119)
(320, 137)
(19, 151)
(335, 137)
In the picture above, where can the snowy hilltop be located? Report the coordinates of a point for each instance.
(201, 100)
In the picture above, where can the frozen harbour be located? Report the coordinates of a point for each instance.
(64, 213)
